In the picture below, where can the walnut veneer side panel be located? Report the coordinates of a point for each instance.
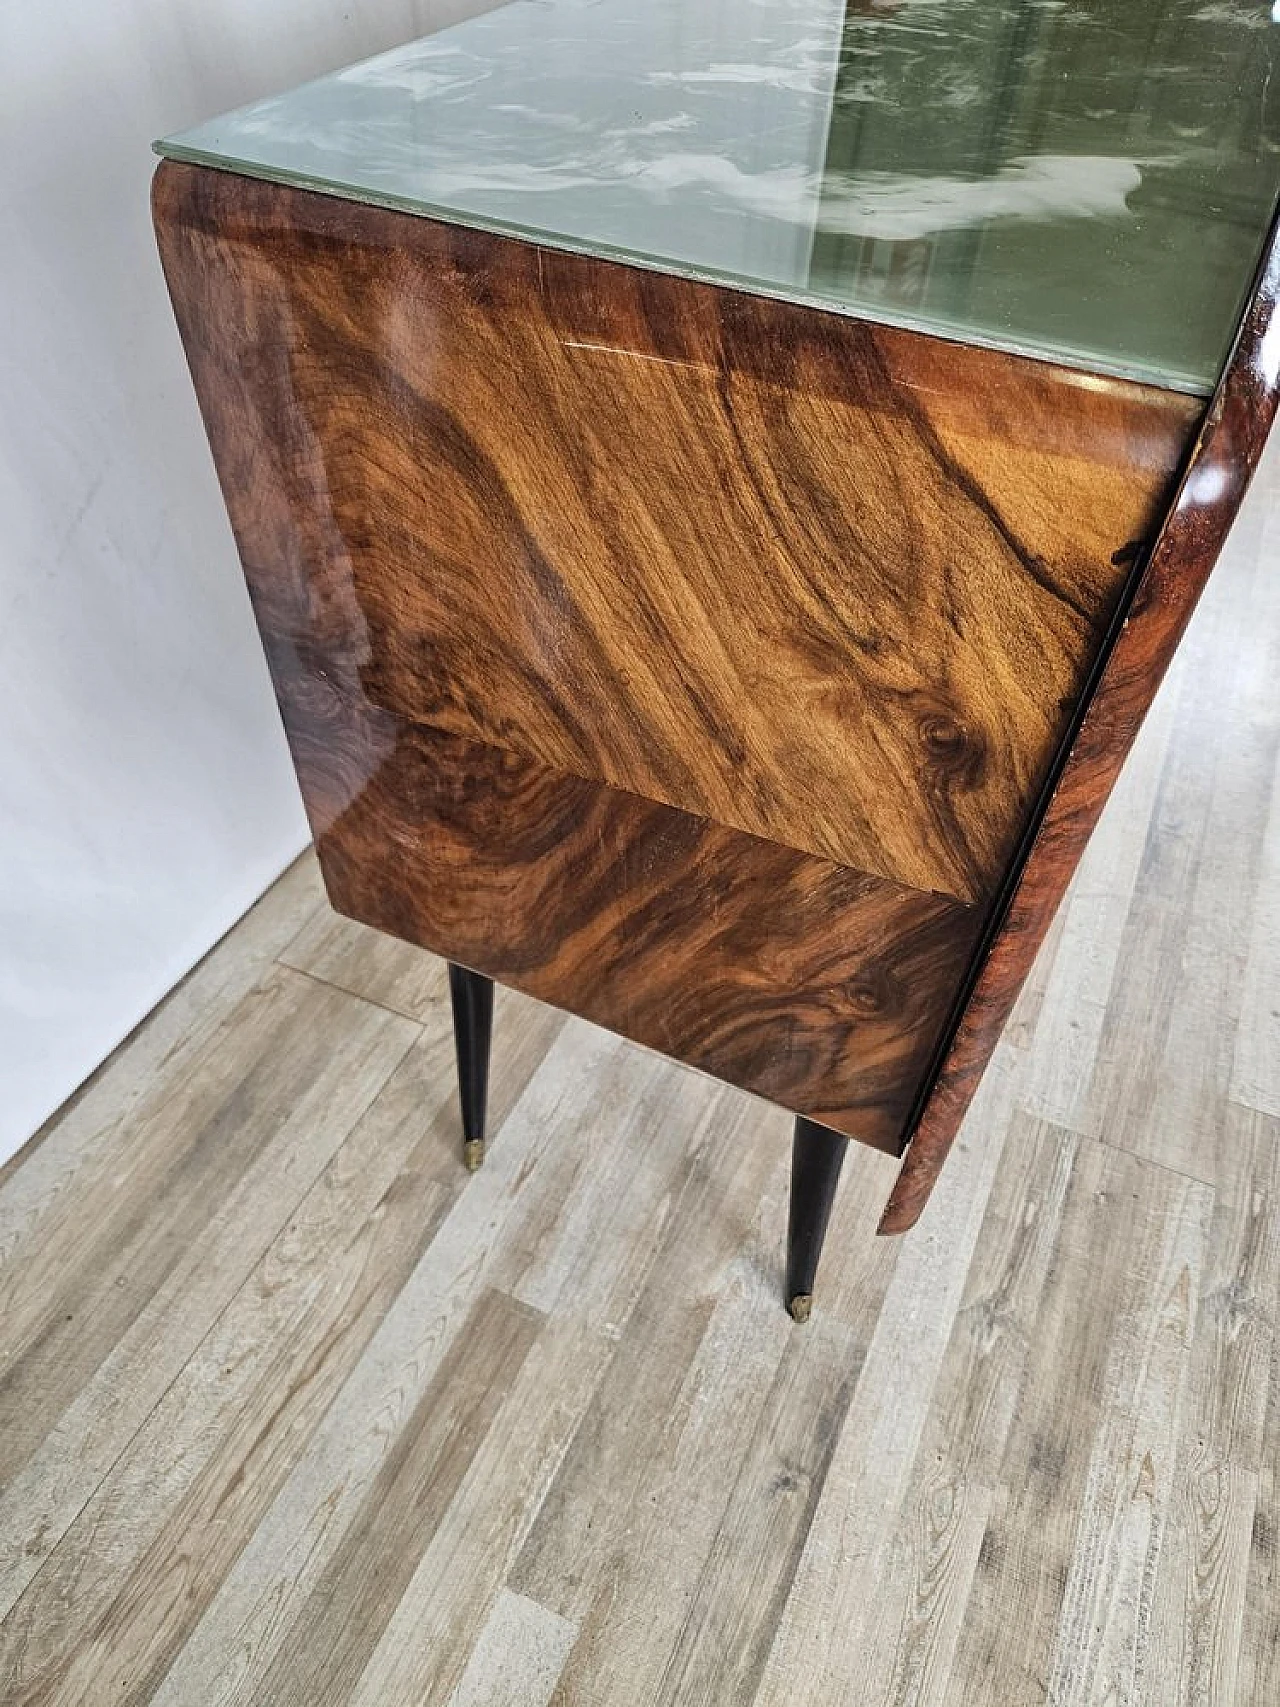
(1166, 589)
(820, 988)
(829, 584)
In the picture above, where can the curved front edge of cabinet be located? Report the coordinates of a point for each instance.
(1147, 630)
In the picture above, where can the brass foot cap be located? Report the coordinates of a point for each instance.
(473, 1153)
(800, 1306)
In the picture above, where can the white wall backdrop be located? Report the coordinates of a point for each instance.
(146, 796)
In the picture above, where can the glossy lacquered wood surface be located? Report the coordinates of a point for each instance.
(832, 585)
(1222, 464)
(818, 987)
(690, 660)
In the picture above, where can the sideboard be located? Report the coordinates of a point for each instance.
(719, 489)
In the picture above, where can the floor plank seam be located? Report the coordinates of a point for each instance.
(355, 995)
(1153, 1162)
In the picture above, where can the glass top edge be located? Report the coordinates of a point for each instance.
(1043, 351)
(1086, 183)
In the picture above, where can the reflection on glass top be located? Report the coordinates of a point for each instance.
(1083, 179)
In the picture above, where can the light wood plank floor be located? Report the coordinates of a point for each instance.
(293, 1410)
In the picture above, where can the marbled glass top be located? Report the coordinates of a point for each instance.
(1089, 180)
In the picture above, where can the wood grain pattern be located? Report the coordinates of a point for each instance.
(942, 1429)
(818, 987)
(684, 1482)
(330, 1642)
(680, 656)
(699, 1175)
(830, 584)
(284, 1342)
(1218, 472)
(518, 1658)
(267, 1059)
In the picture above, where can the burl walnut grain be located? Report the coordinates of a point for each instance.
(1149, 626)
(830, 584)
(800, 980)
(692, 660)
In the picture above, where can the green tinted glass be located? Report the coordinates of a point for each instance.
(1089, 180)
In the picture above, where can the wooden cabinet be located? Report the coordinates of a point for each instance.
(740, 673)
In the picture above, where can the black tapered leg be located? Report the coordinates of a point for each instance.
(816, 1157)
(472, 997)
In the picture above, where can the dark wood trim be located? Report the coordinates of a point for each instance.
(1145, 635)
